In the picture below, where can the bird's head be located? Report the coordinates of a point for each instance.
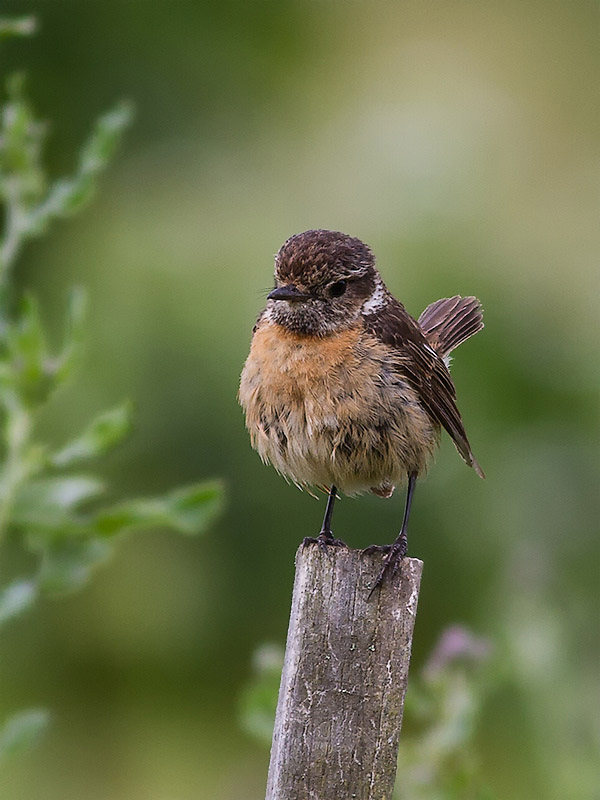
(322, 281)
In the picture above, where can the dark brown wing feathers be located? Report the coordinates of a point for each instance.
(419, 361)
(450, 321)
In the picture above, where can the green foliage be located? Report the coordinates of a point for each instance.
(46, 502)
(438, 755)
(16, 598)
(22, 26)
(258, 701)
(104, 432)
(21, 730)
(30, 203)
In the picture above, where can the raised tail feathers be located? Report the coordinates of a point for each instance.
(450, 321)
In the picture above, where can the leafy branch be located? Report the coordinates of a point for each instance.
(49, 499)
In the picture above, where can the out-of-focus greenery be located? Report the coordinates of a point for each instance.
(459, 140)
(45, 498)
(439, 758)
(258, 699)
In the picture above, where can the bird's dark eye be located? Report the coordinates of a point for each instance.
(337, 289)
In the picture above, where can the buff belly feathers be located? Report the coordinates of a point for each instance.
(333, 410)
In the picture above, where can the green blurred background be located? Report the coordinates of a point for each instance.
(460, 141)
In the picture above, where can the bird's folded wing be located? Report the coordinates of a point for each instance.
(424, 369)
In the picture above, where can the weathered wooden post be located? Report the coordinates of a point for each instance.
(344, 677)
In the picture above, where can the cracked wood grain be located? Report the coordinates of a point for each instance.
(344, 678)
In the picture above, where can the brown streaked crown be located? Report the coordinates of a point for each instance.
(332, 273)
(318, 256)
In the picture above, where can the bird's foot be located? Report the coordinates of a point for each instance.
(392, 562)
(325, 539)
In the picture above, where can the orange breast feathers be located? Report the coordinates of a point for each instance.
(292, 365)
(333, 410)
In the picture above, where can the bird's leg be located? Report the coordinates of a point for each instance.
(326, 527)
(326, 537)
(396, 551)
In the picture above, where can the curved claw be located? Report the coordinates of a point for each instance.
(391, 563)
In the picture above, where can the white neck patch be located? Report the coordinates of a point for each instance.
(377, 300)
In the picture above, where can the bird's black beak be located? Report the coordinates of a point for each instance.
(288, 292)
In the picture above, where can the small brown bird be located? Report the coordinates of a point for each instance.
(343, 389)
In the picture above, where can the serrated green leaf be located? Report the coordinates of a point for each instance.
(22, 729)
(16, 598)
(68, 195)
(29, 369)
(74, 334)
(22, 137)
(188, 510)
(101, 145)
(103, 433)
(50, 503)
(26, 339)
(67, 564)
